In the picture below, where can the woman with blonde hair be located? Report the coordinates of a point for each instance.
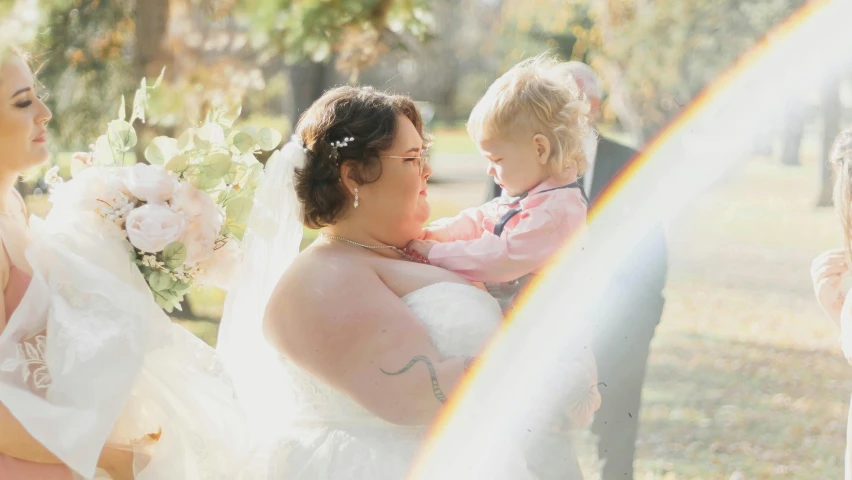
(829, 268)
(23, 141)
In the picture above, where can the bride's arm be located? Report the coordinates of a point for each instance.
(352, 331)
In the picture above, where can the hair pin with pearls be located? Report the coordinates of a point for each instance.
(335, 146)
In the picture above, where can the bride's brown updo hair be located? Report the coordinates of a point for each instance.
(365, 116)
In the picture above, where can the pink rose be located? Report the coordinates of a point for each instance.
(151, 227)
(199, 240)
(196, 205)
(150, 183)
(218, 270)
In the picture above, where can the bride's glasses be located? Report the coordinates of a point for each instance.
(423, 159)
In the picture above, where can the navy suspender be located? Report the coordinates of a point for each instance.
(498, 229)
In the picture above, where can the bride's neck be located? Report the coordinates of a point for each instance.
(356, 233)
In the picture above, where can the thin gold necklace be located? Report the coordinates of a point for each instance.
(400, 251)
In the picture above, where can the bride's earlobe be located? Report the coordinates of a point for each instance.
(348, 177)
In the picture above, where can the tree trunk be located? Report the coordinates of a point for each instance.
(151, 54)
(794, 126)
(152, 27)
(619, 96)
(308, 81)
(831, 113)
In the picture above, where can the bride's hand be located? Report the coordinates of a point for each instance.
(827, 272)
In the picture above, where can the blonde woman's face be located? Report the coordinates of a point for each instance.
(23, 118)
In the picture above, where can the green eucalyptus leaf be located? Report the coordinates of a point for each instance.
(181, 288)
(238, 230)
(244, 142)
(185, 140)
(212, 133)
(160, 78)
(174, 255)
(121, 136)
(104, 154)
(160, 281)
(268, 139)
(216, 165)
(231, 177)
(161, 150)
(238, 210)
(178, 164)
(164, 301)
(122, 111)
(204, 181)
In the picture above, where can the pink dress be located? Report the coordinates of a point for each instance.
(12, 468)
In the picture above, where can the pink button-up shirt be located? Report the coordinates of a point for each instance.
(546, 220)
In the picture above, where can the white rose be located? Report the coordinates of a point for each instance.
(200, 240)
(151, 227)
(218, 270)
(150, 183)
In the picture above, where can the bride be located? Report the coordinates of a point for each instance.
(367, 342)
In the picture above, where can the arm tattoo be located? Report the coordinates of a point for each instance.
(470, 362)
(436, 389)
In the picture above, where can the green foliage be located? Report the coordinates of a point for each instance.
(357, 30)
(81, 58)
(665, 52)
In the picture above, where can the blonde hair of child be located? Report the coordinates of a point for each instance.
(536, 95)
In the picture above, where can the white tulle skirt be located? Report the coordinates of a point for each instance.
(89, 359)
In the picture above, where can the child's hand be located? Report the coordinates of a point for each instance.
(438, 234)
(422, 247)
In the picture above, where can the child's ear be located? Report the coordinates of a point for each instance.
(542, 148)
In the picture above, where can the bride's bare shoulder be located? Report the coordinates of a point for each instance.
(319, 270)
(323, 290)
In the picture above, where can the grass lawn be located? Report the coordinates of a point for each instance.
(745, 380)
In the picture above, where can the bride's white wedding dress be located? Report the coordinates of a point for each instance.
(333, 437)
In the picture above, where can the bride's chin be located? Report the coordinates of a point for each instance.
(423, 212)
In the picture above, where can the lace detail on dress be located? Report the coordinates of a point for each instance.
(96, 319)
(30, 359)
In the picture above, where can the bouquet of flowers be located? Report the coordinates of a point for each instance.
(183, 215)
